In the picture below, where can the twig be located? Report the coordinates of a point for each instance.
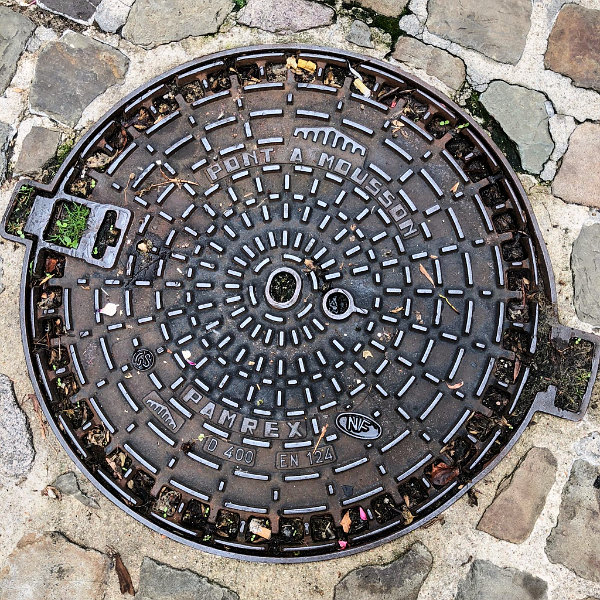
(323, 430)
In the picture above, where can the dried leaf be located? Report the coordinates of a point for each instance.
(367, 354)
(407, 515)
(125, 582)
(98, 160)
(449, 303)
(454, 188)
(442, 474)
(346, 522)
(310, 264)
(110, 309)
(426, 274)
(362, 88)
(397, 309)
(455, 386)
(50, 264)
(516, 369)
(329, 78)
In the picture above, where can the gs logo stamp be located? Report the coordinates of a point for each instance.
(142, 359)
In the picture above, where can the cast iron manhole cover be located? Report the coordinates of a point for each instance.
(306, 309)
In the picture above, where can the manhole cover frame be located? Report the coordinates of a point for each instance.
(544, 402)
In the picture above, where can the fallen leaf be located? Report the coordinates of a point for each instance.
(110, 309)
(516, 369)
(50, 264)
(433, 256)
(397, 309)
(362, 88)
(367, 354)
(310, 264)
(454, 187)
(455, 386)
(346, 522)
(125, 582)
(426, 274)
(442, 474)
(407, 516)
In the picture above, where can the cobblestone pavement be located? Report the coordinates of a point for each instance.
(530, 72)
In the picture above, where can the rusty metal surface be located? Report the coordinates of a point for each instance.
(327, 304)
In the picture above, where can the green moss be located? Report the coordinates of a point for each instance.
(567, 366)
(374, 19)
(54, 164)
(239, 4)
(506, 145)
(20, 212)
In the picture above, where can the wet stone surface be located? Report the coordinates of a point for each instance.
(522, 115)
(274, 15)
(16, 449)
(38, 148)
(573, 48)
(575, 541)
(162, 582)
(486, 581)
(399, 580)
(15, 30)
(578, 177)
(585, 262)
(50, 566)
(496, 29)
(438, 63)
(520, 498)
(154, 22)
(71, 72)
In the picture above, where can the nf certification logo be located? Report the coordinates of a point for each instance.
(358, 426)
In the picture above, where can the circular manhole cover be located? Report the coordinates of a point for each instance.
(283, 303)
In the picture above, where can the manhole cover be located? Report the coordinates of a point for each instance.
(287, 303)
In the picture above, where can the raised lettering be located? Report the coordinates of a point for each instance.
(227, 416)
(249, 425)
(272, 429)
